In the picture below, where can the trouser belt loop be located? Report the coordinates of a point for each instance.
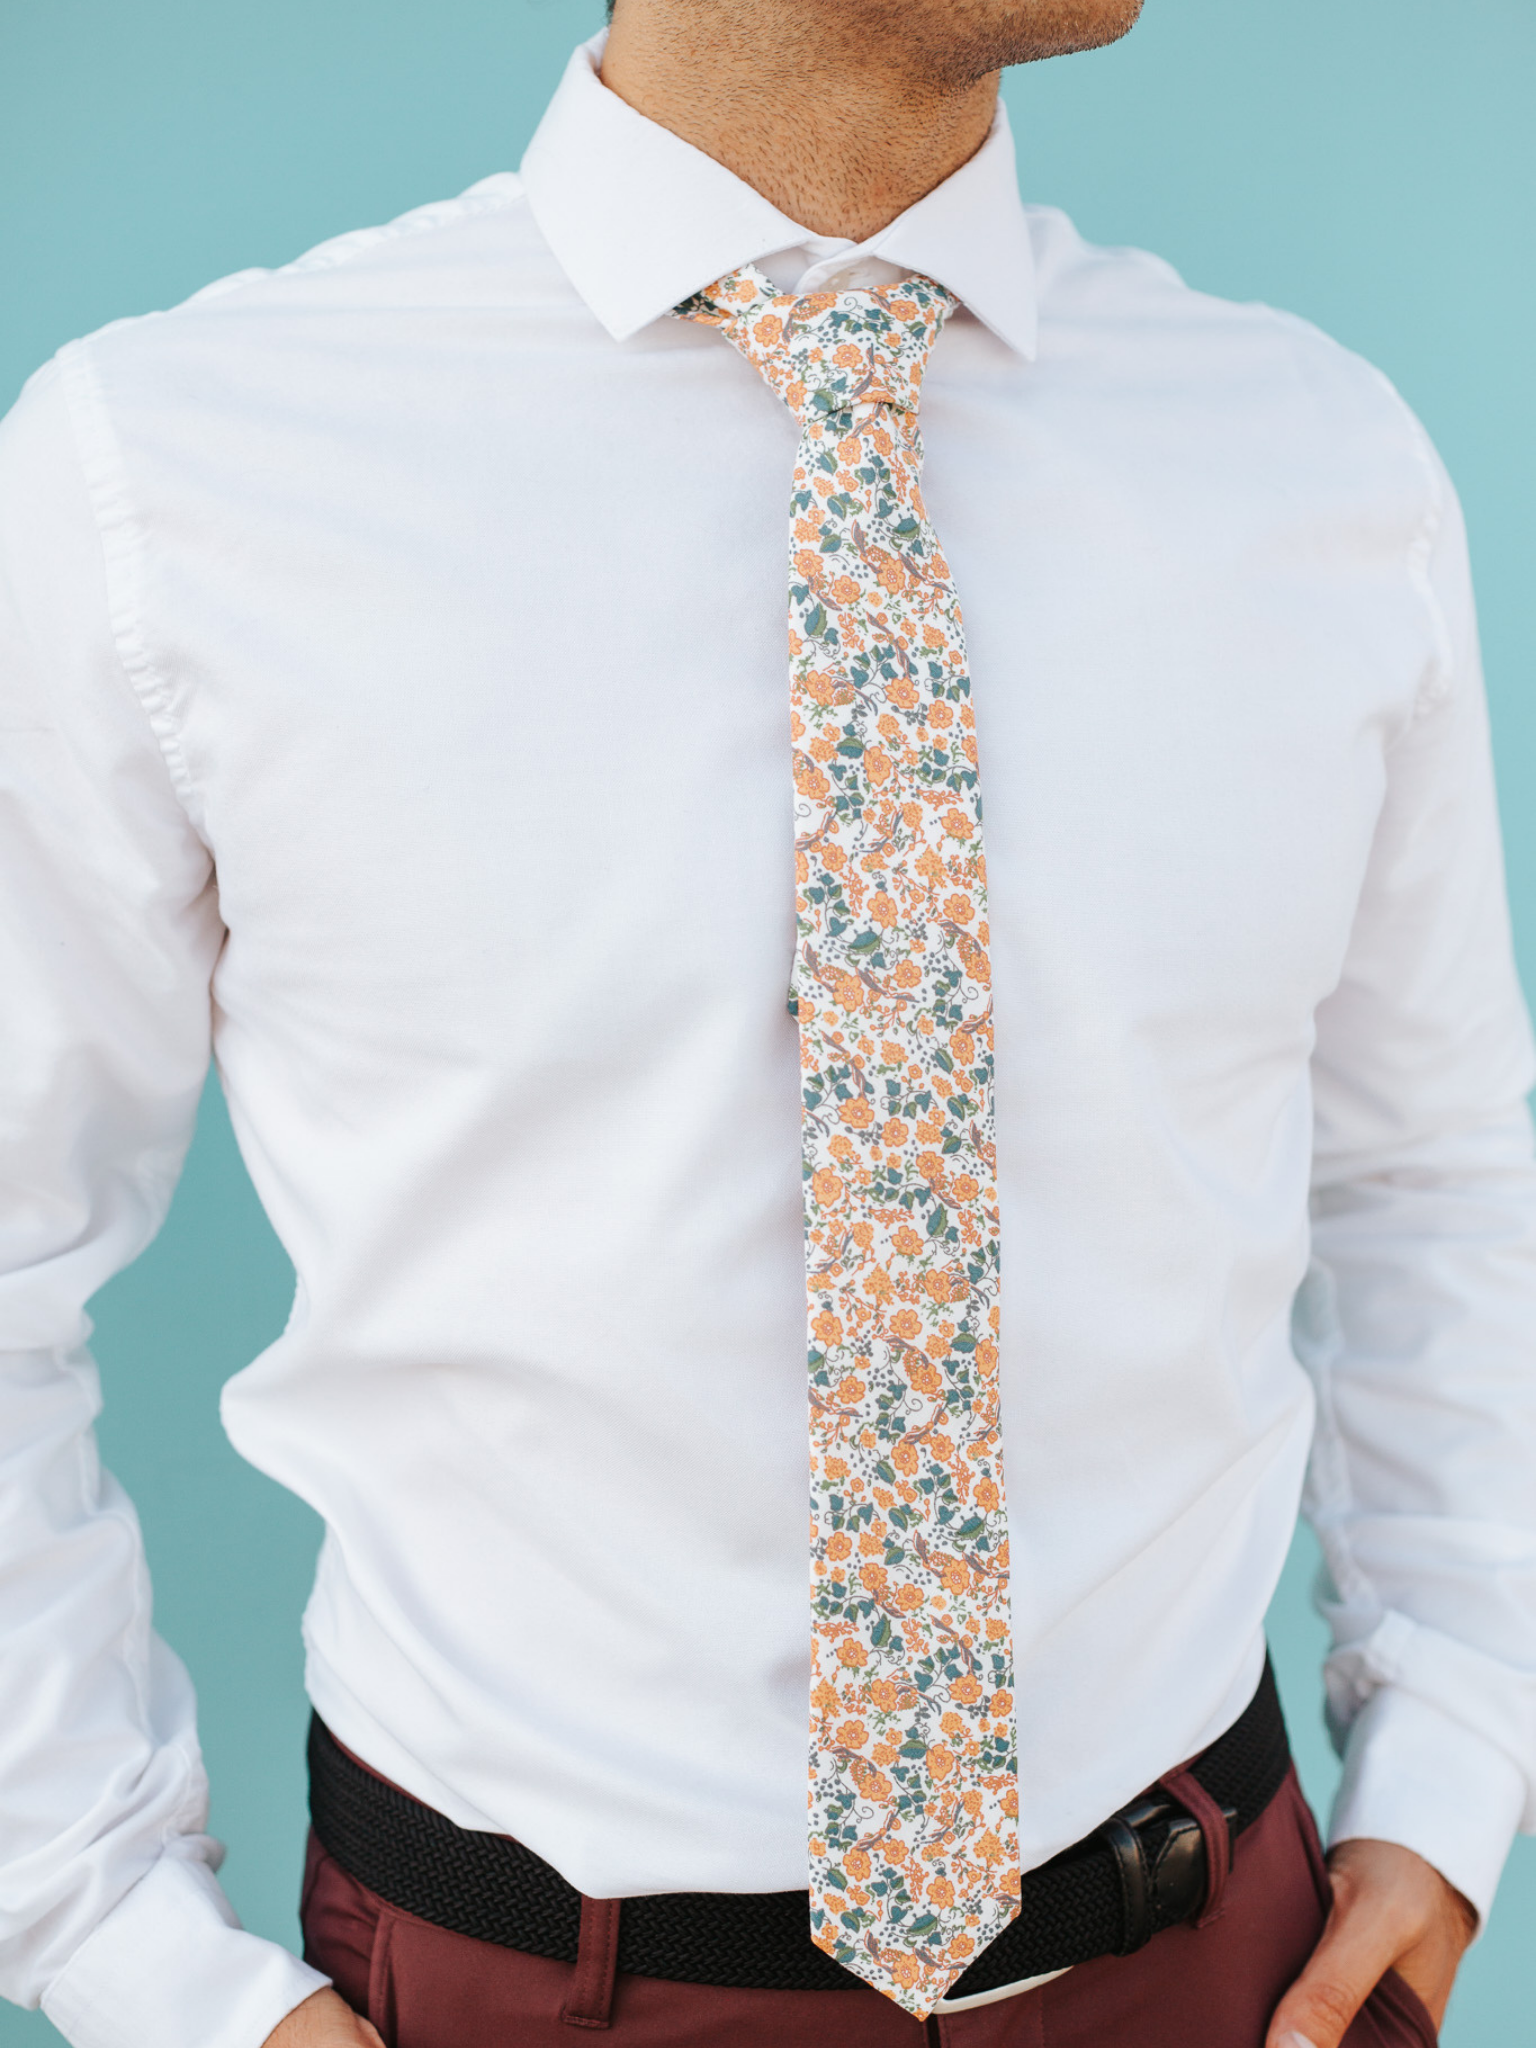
(591, 2001)
(1215, 1832)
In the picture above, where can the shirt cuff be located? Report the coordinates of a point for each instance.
(170, 1964)
(1413, 1775)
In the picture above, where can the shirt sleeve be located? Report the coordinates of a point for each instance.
(1418, 1319)
(110, 1915)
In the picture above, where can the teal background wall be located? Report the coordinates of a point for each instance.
(1368, 163)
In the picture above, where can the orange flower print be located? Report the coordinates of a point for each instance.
(809, 779)
(909, 1656)
(904, 1967)
(872, 1783)
(923, 1374)
(941, 1762)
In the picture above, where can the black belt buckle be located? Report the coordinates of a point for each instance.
(1160, 1863)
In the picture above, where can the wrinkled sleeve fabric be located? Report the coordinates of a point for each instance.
(110, 1915)
(1418, 1320)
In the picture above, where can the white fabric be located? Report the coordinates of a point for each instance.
(1003, 1991)
(394, 644)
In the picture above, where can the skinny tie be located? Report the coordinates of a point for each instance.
(913, 1761)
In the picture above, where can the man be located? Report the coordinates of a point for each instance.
(394, 645)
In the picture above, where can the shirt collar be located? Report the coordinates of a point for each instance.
(638, 219)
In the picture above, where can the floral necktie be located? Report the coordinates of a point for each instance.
(913, 1780)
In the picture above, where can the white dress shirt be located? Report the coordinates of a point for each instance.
(394, 686)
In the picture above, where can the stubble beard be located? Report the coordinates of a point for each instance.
(949, 44)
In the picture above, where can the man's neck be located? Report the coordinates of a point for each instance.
(811, 109)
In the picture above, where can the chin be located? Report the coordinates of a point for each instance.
(970, 37)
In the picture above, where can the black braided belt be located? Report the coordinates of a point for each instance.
(1142, 1871)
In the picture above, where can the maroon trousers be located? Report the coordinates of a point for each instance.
(1212, 1986)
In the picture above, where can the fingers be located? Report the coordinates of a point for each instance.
(1390, 1910)
(1367, 1930)
(1317, 2010)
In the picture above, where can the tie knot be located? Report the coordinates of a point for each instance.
(829, 353)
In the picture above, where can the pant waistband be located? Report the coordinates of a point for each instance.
(1150, 1866)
